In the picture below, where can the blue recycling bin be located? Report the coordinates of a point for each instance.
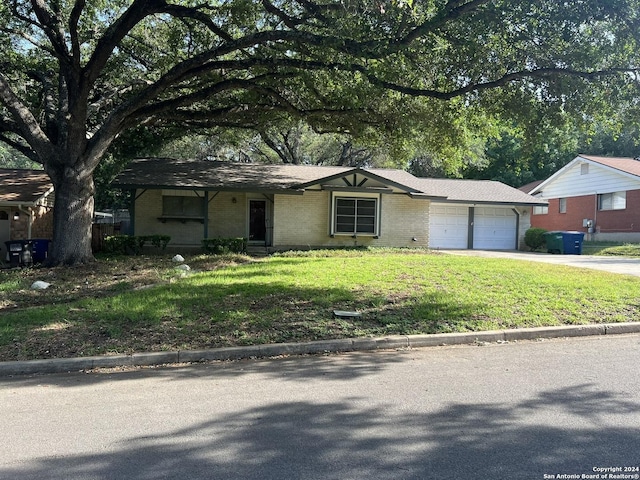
(567, 243)
(572, 242)
(39, 249)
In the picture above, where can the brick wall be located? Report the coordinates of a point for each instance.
(41, 226)
(579, 208)
(303, 221)
(226, 218)
(299, 221)
(149, 208)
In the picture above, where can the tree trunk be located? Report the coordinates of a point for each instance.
(72, 217)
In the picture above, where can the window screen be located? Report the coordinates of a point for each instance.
(356, 215)
(182, 206)
(612, 201)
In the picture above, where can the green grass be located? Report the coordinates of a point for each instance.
(291, 297)
(616, 249)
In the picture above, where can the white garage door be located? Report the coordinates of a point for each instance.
(448, 226)
(494, 228)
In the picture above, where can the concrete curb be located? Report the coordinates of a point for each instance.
(63, 365)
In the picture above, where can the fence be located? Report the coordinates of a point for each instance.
(99, 231)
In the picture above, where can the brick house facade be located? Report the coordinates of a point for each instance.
(26, 205)
(599, 196)
(282, 207)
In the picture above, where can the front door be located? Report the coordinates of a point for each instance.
(257, 221)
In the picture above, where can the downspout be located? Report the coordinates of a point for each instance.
(515, 210)
(595, 212)
(29, 213)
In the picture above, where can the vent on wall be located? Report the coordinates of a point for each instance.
(584, 168)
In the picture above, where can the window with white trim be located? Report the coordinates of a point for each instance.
(355, 215)
(540, 209)
(562, 205)
(612, 201)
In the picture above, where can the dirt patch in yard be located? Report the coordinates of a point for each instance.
(105, 277)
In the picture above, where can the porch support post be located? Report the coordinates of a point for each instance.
(206, 214)
(132, 212)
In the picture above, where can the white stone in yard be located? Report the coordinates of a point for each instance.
(183, 267)
(178, 258)
(40, 285)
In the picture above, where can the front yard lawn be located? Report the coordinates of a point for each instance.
(143, 304)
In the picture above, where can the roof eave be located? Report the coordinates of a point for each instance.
(491, 202)
(283, 191)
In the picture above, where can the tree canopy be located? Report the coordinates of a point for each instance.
(78, 75)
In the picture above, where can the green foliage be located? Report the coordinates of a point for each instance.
(534, 238)
(133, 245)
(86, 83)
(625, 250)
(11, 159)
(221, 246)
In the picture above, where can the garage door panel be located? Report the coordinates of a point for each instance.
(494, 228)
(448, 226)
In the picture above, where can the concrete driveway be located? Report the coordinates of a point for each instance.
(622, 265)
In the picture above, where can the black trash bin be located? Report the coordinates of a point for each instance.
(19, 252)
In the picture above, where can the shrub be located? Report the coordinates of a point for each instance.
(132, 245)
(221, 246)
(534, 238)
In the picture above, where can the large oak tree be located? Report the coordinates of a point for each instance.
(76, 75)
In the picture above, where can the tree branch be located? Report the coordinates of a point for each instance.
(27, 126)
(20, 147)
(289, 21)
(74, 19)
(196, 14)
(52, 28)
(499, 82)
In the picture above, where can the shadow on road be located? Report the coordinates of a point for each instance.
(302, 440)
(294, 368)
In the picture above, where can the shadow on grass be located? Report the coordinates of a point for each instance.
(347, 440)
(184, 317)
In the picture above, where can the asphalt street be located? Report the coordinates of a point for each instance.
(517, 410)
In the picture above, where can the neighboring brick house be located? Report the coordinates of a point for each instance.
(26, 205)
(599, 196)
(301, 206)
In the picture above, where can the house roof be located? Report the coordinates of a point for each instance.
(529, 187)
(18, 186)
(477, 191)
(624, 165)
(210, 175)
